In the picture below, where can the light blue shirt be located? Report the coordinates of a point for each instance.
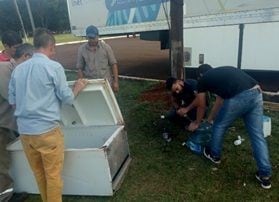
(37, 88)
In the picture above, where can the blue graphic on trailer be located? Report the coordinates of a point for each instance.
(132, 11)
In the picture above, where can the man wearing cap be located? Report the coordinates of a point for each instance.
(96, 59)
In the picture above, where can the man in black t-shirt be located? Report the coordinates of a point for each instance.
(237, 95)
(183, 94)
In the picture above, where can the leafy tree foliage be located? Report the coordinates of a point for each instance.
(8, 17)
(51, 14)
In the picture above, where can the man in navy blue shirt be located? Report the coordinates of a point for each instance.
(183, 93)
(237, 96)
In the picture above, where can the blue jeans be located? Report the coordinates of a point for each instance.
(249, 106)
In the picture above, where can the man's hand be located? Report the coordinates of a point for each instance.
(182, 111)
(193, 126)
(79, 85)
(115, 86)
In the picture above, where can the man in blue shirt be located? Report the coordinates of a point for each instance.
(37, 89)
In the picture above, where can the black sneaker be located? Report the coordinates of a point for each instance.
(206, 153)
(265, 181)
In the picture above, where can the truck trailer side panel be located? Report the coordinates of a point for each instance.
(260, 46)
(118, 17)
(217, 45)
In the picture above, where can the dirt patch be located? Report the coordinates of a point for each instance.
(157, 94)
(147, 60)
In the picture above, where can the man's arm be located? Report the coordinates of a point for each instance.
(115, 83)
(217, 105)
(113, 63)
(11, 91)
(79, 85)
(62, 90)
(200, 103)
(184, 110)
(80, 64)
(80, 74)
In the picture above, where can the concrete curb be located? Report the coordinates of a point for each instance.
(127, 77)
(83, 41)
(139, 78)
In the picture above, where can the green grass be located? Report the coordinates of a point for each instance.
(178, 174)
(60, 38)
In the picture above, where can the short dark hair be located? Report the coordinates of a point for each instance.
(202, 69)
(42, 38)
(169, 82)
(11, 38)
(24, 49)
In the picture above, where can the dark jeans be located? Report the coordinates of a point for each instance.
(249, 106)
(5, 181)
(172, 120)
(5, 137)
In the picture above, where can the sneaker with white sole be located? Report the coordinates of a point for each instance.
(206, 153)
(265, 181)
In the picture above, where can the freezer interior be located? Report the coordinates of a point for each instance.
(87, 137)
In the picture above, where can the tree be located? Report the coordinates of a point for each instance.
(51, 14)
(8, 17)
(58, 15)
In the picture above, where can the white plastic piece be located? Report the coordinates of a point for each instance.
(266, 126)
(238, 141)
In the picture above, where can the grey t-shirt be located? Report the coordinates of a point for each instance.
(96, 63)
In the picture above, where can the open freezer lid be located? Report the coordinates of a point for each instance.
(95, 105)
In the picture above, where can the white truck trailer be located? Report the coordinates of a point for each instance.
(239, 33)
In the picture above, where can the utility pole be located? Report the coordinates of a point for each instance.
(176, 38)
(21, 21)
(30, 15)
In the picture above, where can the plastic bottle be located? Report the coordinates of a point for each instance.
(166, 135)
(238, 141)
(196, 148)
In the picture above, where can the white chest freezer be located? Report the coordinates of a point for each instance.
(96, 146)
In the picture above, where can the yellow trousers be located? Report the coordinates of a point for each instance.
(45, 154)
